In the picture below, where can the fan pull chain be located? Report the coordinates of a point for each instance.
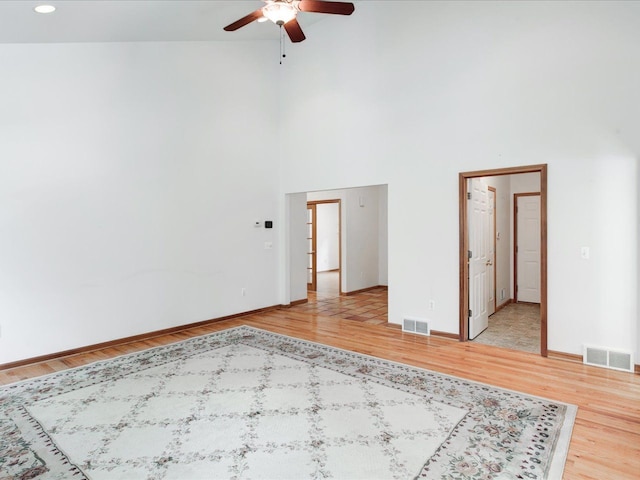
(282, 42)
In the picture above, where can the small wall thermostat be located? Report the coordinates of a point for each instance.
(268, 224)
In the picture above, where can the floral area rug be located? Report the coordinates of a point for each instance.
(249, 404)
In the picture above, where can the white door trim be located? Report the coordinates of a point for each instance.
(492, 266)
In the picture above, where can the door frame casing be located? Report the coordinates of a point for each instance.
(463, 333)
(495, 255)
(314, 203)
(311, 287)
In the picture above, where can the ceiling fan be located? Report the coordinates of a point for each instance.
(283, 13)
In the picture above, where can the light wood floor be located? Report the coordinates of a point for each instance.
(606, 437)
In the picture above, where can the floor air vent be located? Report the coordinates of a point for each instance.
(416, 325)
(602, 357)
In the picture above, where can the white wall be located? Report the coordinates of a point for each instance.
(524, 183)
(409, 94)
(297, 246)
(130, 176)
(362, 234)
(383, 235)
(328, 236)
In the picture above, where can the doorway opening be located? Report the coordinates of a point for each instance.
(324, 240)
(526, 251)
(361, 250)
(479, 261)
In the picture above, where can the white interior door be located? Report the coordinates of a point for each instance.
(491, 255)
(478, 247)
(528, 248)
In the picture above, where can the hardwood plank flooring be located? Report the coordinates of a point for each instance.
(606, 435)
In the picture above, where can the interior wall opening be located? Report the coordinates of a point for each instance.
(503, 258)
(338, 246)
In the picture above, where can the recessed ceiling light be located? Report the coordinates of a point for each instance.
(45, 9)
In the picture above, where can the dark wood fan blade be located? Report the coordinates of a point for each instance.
(317, 6)
(244, 21)
(294, 31)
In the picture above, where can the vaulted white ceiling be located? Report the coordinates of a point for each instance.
(134, 20)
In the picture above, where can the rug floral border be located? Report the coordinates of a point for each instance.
(505, 434)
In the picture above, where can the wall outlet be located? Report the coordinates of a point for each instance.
(268, 245)
(432, 304)
(243, 292)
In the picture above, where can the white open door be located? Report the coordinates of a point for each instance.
(528, 248)
(478, 256)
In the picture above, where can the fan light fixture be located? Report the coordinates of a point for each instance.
(279, 12)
